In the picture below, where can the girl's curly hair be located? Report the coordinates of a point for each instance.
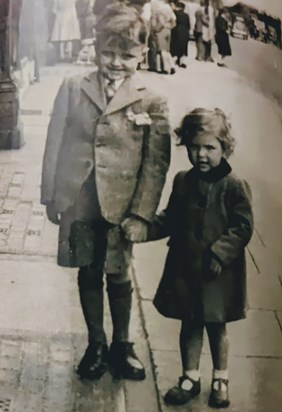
(202, 120)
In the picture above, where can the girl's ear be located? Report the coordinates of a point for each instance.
(178, 131)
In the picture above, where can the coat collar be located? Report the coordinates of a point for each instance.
(213, 175)
(129, 92)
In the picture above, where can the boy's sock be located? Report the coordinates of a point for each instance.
(193, 374)
(220, 374)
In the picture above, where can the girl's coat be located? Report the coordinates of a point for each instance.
(204, 218)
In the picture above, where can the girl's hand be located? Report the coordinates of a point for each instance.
(215, 267)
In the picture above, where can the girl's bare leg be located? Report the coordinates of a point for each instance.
(191, 342)
(219, 345)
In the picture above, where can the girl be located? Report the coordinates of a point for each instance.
(209, 220)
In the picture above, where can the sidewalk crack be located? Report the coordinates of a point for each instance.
(278, 320)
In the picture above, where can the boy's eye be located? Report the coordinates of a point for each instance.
(210, 147)
(127, 56)
(108, 53)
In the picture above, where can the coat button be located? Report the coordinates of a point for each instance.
(88, 164)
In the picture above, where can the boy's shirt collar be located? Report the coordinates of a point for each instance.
(117, 83)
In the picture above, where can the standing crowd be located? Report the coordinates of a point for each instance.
(173, 23)
(170, 25)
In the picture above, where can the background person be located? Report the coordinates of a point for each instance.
(198, 32)
(165, 21)
(180, 34)
(66, 27)
(222, 37)
(208, 30)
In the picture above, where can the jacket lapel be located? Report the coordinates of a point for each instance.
(129, 92)
(92, 86)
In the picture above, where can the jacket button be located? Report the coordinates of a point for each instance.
(87, 164)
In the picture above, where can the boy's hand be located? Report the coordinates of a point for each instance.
(52, 214)
(215, 267)
(135, 229)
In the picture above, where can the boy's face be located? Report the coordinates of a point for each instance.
(205, 152)
(116, 63)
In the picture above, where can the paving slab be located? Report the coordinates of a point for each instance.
(255, 384)
(264, 291)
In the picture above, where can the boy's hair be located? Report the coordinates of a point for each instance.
(123, 22)
(202, 120)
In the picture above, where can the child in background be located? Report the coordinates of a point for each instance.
(209, 220)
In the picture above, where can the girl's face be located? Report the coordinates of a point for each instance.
(205, 152)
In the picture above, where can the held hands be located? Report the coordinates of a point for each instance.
(135, 229)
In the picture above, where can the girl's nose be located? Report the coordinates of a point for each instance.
(201, 152)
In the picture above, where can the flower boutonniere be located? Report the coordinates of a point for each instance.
(140, 119)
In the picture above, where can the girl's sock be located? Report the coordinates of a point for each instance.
(193, 374)
(220, 374)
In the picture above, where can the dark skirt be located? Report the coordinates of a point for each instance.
(223, 43)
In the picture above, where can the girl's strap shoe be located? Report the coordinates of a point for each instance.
(180, 394)
(219, 396)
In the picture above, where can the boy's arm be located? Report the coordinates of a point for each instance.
(155, 162)
(240, 228)
(161, 225)
(53, 143)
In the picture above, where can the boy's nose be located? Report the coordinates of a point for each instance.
(116, 60)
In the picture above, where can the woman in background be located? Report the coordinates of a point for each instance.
(66, 27)
(180, 34)
(222, 37)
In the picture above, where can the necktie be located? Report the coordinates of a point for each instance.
(111, 89)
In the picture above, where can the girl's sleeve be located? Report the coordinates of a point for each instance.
(162, 225)
(240, 227)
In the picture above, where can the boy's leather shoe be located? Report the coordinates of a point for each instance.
(94, 362)
(179, 394)
(124, 362)
(219, 396)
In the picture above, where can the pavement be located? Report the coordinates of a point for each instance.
(42, 332)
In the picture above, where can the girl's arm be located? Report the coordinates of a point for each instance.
(163, 223)
(240, 228)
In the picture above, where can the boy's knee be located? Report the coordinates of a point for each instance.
(90, 278)
(118, 278)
